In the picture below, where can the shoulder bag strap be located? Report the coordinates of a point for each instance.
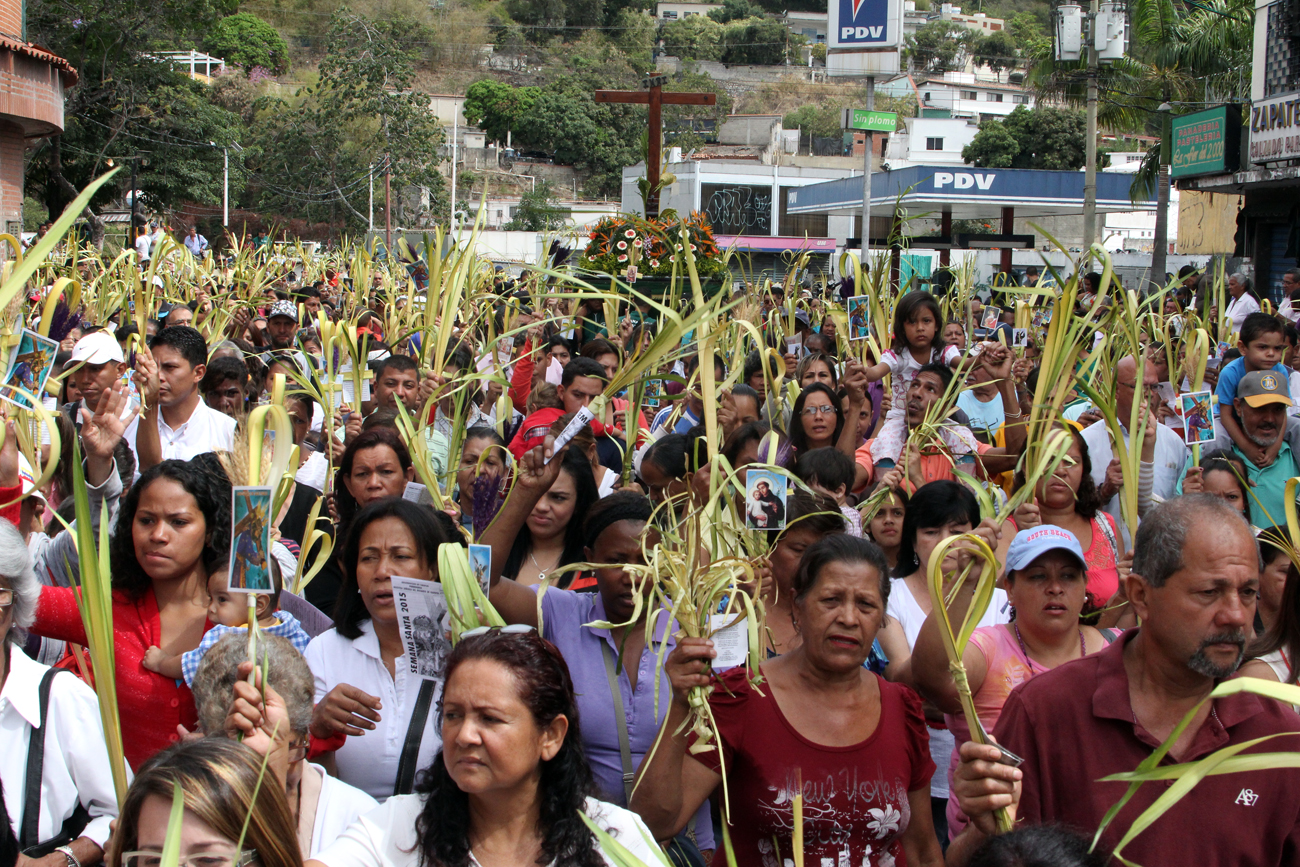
(406, 766)
(36, 768)
(624, 745)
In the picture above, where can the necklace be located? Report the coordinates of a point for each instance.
(541, 573)
(1083, 648)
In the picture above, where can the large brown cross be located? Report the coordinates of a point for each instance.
(656, 99)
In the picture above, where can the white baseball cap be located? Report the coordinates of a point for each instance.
(97, 347)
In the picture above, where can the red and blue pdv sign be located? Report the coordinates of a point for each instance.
(864, 24)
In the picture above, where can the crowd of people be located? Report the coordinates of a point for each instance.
(538, 741)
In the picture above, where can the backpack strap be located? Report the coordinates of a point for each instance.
(36, 767)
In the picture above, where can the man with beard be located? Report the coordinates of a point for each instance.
(1263, 398)
(933, 460)
(1194, 585)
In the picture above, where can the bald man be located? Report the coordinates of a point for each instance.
(1170, 456)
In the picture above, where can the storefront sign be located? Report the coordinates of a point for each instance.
(1275, 129)
(1206, 143)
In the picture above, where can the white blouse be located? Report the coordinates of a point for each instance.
(369, 761)
(339, 806)
(76, 758)
(385, 837)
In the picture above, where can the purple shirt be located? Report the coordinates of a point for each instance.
(564, 613)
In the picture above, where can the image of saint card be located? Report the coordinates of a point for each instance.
(1020, 337)
(30, 364)
(480, 563)
(423, 622)
(250, 541)
(859, 309)
(765, 498)
(991, 317)
(1197, 412)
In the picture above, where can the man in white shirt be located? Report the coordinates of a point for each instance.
(1170, 460)
(176, 423)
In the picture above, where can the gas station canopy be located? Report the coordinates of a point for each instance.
(967, 193)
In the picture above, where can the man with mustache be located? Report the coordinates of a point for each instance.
(1263, 398)
(1194, 585)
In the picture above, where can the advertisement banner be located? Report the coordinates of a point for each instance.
(865, 24)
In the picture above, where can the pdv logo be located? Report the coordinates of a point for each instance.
(863, 22)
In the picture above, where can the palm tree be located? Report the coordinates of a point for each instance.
(1190, 55)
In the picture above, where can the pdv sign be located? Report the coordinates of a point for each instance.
(865, 24)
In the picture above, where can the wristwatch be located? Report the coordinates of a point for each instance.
(67, 853)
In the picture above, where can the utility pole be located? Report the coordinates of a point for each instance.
(1160, 245)
(388, 208)
(1090, 151)
(225, 187)
(455, 131)
(372, 198)
(866, 179)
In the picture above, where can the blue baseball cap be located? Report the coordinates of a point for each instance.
(1029, 545)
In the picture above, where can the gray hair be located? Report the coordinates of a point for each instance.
(287, 674)
(1162, 535)
(1242, 278)
(16, 567)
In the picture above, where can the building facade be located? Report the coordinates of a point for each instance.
(32, 83)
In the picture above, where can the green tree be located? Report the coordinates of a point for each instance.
(128, 103)
(734, 10)
(993, 147)
(246, 41)
(315, 156)
(938, 46)
(600, 138)
(698, 37)
(34, 213)
(997, 51)
(495, 107)
(537, 211)
(633, 33)
(757, 41)
(1041, 138)
(814, 121)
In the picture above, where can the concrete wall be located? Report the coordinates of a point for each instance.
(749, 129)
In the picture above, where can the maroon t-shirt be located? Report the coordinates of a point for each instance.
(855, 798)
(1074, 725)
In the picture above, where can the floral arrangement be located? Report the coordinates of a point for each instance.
(628, 240)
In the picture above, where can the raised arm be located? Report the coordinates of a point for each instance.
(516, 603)
(671, 785)
(100, 433)
(148, 444)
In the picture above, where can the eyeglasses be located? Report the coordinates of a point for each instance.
(6, 598)
(1133, 385)
(197, 859)
(811, 411)
(297, 752)
(512, 629)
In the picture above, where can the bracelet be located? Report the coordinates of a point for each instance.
(67, 853)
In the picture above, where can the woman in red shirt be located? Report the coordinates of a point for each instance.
(853, 743)
(173, 520)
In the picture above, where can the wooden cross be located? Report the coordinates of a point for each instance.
(656, 99)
